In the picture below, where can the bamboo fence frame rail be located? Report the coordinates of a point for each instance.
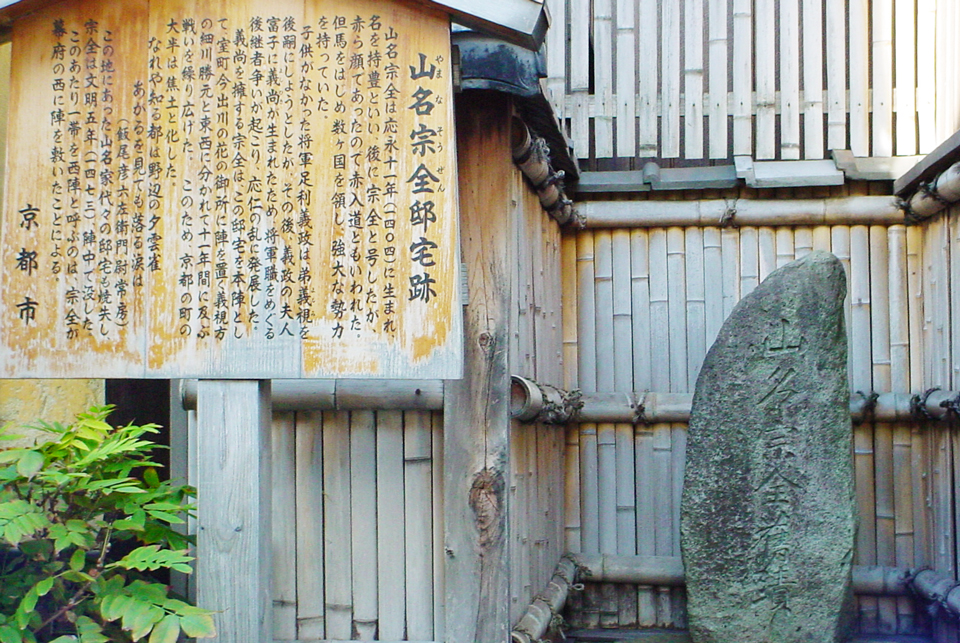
(320, 394)
(534, 402)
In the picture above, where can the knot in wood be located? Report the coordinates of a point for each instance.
(486, 501)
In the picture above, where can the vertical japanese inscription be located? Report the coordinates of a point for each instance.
(256, 179)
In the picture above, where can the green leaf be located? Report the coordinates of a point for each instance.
(198, 626)
(90, 631)
(151, 557)
(9, 634)
(29, 463)
(44, 586)
(77, 559)
(114, 606)
(143, 621)
(166, 631)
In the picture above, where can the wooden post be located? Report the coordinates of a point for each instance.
(233, 492)
(476, 408)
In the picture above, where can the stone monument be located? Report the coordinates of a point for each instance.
(768, 512)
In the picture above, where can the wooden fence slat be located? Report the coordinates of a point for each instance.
(626, 65)
(603, 77)
(882, 77)
(418, 481)
(670, 80)
(812, 105)
(692, 34)
(790, 79)
(337, 549)
(556, 46)
(926, 76)
(766, 65)
(391, 585)
(579, 46)
(717, 46)
(439, 553)
(743, 77)
(905, 57)
(311, 611)
(363, 522)
(284, 534)
(836, 36)
(647, 79)
(859, 77)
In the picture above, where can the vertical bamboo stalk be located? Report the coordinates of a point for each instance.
(802, 242)
(717, 45)
(749, 261)
(786, 251)
(812, 105)
(882, 76)
(670, 80)
(603, 77)
(836, 36)
(822, 238)
(646, 483)
(676, 303)
(664, 537)
(604, 308)
(743, 77)
(730, 268)
(640, 294)
(586, 318)
(696, 305)
(571, 487)
(607, 477)
(391, 584)
(589, 490)
(363, 519)
(767, 251)
(622, 358)
(861, 376)
(905, 57)
(647, 77)
(284, 545)
(880, 308)
(571, 295)
(713, 283)
(659, 314)
(692, 33)
(418, 480)
(859, 12)
(310, 526)
(337, 550)
(679, 456)
(626, 65)
(790, 79)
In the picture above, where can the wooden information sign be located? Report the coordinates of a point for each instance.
(259, 189)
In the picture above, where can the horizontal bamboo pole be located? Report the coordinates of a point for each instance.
(533, 402)
(865, 210)
(934, 196)
(374, 395)
(538, 617)
(667, 571)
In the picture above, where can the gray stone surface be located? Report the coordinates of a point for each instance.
(768, 511)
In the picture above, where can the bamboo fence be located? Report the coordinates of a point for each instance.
(787, 79)
(902, 322)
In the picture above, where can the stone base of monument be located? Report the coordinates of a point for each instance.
(681, 636)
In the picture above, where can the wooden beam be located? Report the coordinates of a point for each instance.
(476, 408)
(932, 164)
(233, 475)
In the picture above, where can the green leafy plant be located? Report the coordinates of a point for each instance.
(84, 520)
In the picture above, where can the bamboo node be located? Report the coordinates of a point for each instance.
(952, 405)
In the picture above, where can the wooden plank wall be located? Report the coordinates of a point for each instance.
(673, 289)
(536, 485)
(639, 79)
(357, 526)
